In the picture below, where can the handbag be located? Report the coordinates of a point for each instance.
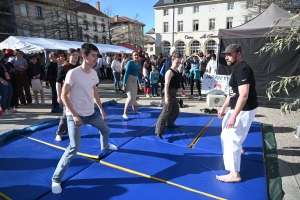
(36, 84)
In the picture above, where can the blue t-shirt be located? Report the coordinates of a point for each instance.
(154, 77)
(132, 69)
(194, 64)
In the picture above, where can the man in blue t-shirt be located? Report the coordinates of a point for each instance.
(242, 99)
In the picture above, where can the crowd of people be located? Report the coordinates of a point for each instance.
(74, 76)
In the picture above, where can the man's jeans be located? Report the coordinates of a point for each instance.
(74, 134)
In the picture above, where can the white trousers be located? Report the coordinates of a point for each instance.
(233, 138)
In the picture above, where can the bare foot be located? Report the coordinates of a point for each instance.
(229, 178)
(243, 150)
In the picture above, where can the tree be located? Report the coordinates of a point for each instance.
(280, 39)
(260, 5)
(109, 12)
(136, 32)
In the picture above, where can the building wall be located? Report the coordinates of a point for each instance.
(7, 22)
(45, 26)
(217, 11)
(100, 35)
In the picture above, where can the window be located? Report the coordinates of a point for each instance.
(95, 27)
(166, 12)
(41, 31)
(229, 22)
(95, 39)
(38, 12)
(151, 48)
(23, 9)
(195, 25)
(166, 48)
(211, 46)
(94, 18)
(196, 9)
(180, 26)
(57, 34)
(123, 37)
(123, 26)
(180, 11)
(103, 40)
(71, 34)
(230, 6)
(86, 25)
(54, 16)
(26, 30)
(180, 48)
(166, 27)
(87, 38)
(103, 28)
(131, 26)
(141, 28)
(80, 34)
(195, 47)
(248, 18)
(69, 18)
(212, 24)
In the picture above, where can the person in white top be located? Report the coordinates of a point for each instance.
(212, 65)
(78, 94)
(109, 74)
(116, 68)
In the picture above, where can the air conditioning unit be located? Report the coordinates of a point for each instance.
(215, 100)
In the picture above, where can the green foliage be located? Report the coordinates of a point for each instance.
(280, 39)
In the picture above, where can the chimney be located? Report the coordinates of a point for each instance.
(98, 5)
(116, 18)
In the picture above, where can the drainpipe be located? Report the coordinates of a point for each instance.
(173, 26)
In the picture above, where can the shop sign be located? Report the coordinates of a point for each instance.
(188, 37)
(207, 36)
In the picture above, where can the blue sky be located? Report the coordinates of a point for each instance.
(129, 8)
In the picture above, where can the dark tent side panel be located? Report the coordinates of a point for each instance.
(266, 67)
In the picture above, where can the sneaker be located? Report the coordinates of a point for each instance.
(199, 98)
(125, 117)
(112, 147)
(147, 95)
(191, 96)
(155, 95)
(42, 102)
(6, 112)
(36, 102)
(58, 138)
(56, 188)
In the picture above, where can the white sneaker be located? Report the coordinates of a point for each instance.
(125, 116)
(42, 102)
(112, 147)
(36, 102)
(58, 138)
(191, 96)
(6, 112)
(147, 95)
(56, 188)
(136, 112)
(12, 110)
(199, 98)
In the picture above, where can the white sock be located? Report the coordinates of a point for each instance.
(56, 188)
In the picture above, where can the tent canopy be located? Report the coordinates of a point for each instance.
(34, 45)
(258, 26)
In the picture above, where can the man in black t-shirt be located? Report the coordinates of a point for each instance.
(242, 99)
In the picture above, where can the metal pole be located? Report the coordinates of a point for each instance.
(173, 26)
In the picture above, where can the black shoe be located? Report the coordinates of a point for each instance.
(172, 126)
(160, 136)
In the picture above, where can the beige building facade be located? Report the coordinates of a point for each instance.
(127, 31)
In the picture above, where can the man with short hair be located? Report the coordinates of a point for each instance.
(242, 99)
(78, 95)
(72, 57)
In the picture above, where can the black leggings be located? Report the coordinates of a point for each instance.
(197, 84)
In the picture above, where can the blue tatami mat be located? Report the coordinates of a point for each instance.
(102, 182)
(189, 126)
(193, 168)
(122, 131)
(26, 168)
(211, 141)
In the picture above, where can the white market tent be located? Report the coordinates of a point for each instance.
(35, 45)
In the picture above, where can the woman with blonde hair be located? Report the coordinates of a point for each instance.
(132, 75)
(116, 68)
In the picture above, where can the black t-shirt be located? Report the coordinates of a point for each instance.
(4, 68)
(243, 74)
(61, 74)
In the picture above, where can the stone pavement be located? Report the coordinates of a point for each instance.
(284, 127)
